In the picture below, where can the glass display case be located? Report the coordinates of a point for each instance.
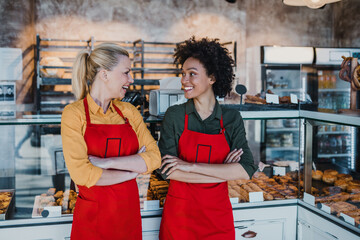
(33, 166)
(335, 183)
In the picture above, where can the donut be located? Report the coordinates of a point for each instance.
(317, 175)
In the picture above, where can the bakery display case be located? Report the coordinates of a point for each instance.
(38, 175)
(335, 183)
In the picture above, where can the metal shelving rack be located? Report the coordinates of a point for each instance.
(54, 93)
(151, 61)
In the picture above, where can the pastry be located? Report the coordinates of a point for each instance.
(354, 182)
(317, 175)
(342, 184)
(241, 181)
(339, 207)
(353, 189)
(329, 178)
(331, 190)
(58, 194)
(51, 191)
(343, 176)
(331, 172)
(355, 197)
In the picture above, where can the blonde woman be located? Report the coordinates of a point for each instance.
(106, 145)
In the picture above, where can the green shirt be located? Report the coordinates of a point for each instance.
(173, 126)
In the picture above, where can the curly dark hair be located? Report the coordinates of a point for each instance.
(215, 59)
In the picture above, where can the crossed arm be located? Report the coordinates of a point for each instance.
(119, 169)
(202, 172)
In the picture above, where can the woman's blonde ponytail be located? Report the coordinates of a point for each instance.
(79, 80)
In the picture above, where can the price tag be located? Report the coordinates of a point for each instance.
(53, 211)
(256, 196)
(151, 205)
(293, 98)
(348, 219)
(310, 199)
(326, 208)
(279, 171)
(272, 98)
(234, 200)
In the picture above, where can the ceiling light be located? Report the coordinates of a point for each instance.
(309, 3)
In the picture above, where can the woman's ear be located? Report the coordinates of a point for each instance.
(212, 79)
(103, 75)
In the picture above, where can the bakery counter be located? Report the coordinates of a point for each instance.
(314, 221)
(352, 119)
(270, 219)
(31, 119)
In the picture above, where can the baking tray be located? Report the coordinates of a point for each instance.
(5, 215)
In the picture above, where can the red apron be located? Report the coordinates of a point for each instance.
(108, 212)
(195, 211)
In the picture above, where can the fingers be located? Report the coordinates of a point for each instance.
(168, 166)
(142, 149)
(230, 154)
(166, 159)
(234, 156)
(172, 169)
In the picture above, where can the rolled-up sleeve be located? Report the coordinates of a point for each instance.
(151, 155)
(82, 172)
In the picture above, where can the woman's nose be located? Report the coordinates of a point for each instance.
(131, 80)
(184, 79)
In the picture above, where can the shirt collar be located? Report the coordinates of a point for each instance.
(94, 108)
(190, 108)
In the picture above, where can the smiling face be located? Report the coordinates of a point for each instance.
(195, 80)
(119, 78)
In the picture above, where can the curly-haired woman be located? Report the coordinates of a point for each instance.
(202, 144)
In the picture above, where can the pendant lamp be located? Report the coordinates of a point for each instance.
(309, 3)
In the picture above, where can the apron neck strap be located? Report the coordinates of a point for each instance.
(222, 125)
(86, 105)
(186, 122)
(120, 113)
(87, 111)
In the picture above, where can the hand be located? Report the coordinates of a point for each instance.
(173, 163)
(99, 162)
(142, 149)
(234, 156)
